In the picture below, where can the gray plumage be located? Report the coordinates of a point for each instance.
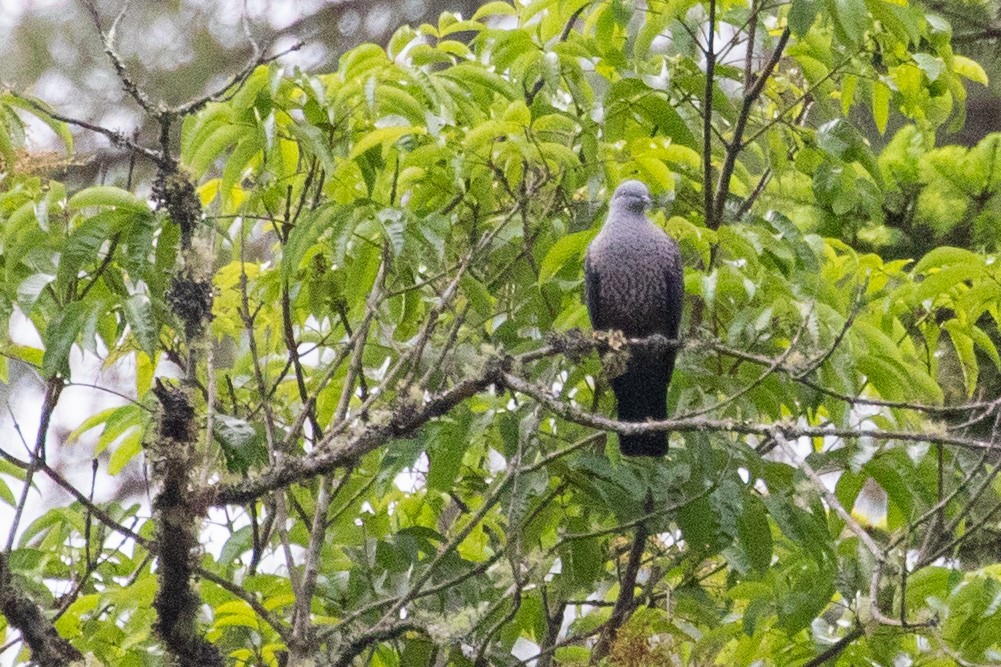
(634, 283)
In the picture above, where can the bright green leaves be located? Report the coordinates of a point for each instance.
(973, 622)
(446, 441)
(106, 196)
(913, 69)
(332, 223)
(53, 548)
(382, 138)
(960, 291)
(217, 138)
(376, 234)
(969, 69)
(883, 363)
(567, 251)
(802, 14)
(13, 106)
(60, 336)
(121, 432)
(70, 265)
(634, 109)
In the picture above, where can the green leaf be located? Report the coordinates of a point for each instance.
(6, 495)
(307, 233)
(384, 137)
(106, 195)
(242, 157)
(445, 442)
(880, 105)
(937, 283)
(843, 141)
(243, 444)
(359, 61)
(583, 559)
(475, 77)
(790, 233)
(461, 26)
(755, 535)
(802, 14)
(31, 105)
(930, 65)
(30, 289)
(986, 344)
(947, 256)
(139, 315)
(479, 297)
(848, 86)
(60, 335)
(394, 100)
(122, 421)
(239, 542)
(962, 342)
(495, 8)
(6, 147)
(569, 248)
(969, 69)
(85, 242)
(807, 591)
(655, 172)
(849, 17)
(208, 150)
(700, 526)
(127, 450)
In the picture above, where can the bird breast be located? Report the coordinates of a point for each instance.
(633, 273)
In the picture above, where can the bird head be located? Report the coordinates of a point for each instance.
(632, 195)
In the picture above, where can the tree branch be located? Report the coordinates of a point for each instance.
(47, 647)
(707, 119)
(627, 588)
(714, 217)
(837, 648)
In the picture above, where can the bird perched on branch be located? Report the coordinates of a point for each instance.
(634, 283)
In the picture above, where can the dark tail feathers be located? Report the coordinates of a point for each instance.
(645, 444)
(641, 394)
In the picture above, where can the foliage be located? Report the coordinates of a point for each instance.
(400, 441)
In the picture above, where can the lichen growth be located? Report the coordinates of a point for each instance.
(175, 193)
(190, 299)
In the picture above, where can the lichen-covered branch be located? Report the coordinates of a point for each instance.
(177, 524)
(47, 647)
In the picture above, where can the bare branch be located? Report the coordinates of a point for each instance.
(229, 88)
(837, 648)
(832, 501)
(115, 137)
(574, 414)
(714, 216)
(405, 419)
(627, 589)
(707, 120)
(53, 389)
(108, 41)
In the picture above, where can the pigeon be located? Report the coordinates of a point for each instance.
(634, 283)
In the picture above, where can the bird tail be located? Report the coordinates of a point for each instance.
(644, 444)
(641, 394)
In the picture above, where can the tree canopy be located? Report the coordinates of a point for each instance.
(362, 389)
